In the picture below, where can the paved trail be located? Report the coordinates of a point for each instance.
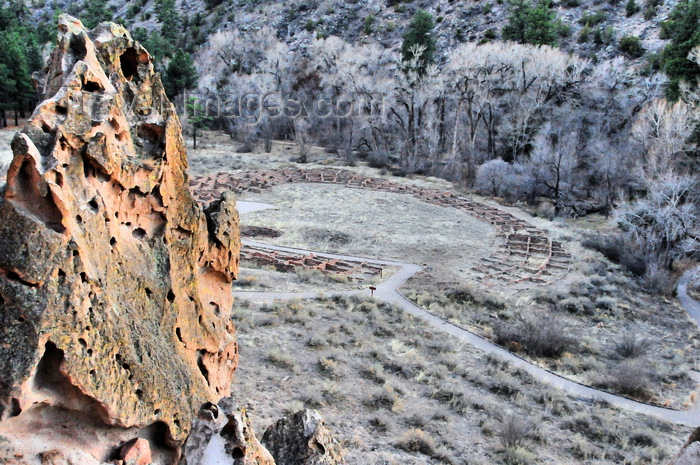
(388, 291)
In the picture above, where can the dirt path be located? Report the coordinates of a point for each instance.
(389, 292)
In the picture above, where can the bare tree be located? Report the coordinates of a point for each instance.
(665, 220)
(300, 128)
(664, 223)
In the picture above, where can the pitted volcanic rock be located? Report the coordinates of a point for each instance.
(114, 283)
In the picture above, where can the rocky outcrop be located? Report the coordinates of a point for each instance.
(690, 454)
(222, 435)
(302, 439)
(114, 284)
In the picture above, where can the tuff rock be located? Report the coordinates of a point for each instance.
(114, 284)
(222, 435)
(690, 453)
(302, 439)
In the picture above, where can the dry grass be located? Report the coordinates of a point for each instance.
(395, 392)
(374, 224)
(585, 328)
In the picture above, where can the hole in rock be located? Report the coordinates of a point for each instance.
(78, 218)
(213, 408)
(61, 110)
(139, 233)
(87, 329)
(112, 242)
(152, 133)
(62, 391)
(118, 358)
(89, 352)
(139, 393)
(230, 433)
(90, 86)
(200, 364)
(2, 300)
(115, 124)
(61, 273)
(14, 276)
(149, 292)
(83, 277)
(15, 409)
(94, 206)
(76, 253)
(89, 171)
(77, 47)
(237, 453)
(215, 307)
(129, 63)
(178, 333)
(156, 411)
(171, 296)
(126, 366)
(26, 193)
(20, 319)
(82, 342)
(319, 447)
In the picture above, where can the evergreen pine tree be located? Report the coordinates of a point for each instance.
(180, 75)
(540, 29)
(12, 55)
(169, 23)
(683, 30)
(516, 29)
(531, 25)
(197, 117)
(419, 34)
(631, 8)
(94, 12)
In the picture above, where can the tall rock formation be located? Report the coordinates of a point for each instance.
(302, 439)
(114, 284)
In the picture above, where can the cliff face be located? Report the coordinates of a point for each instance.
(114, 284)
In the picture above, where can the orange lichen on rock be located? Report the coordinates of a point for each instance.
(114, 283)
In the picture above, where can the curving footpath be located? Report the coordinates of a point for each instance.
(388, 291)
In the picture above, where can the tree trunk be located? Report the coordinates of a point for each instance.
(16, 116)
(442, 126)
(194, 141)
